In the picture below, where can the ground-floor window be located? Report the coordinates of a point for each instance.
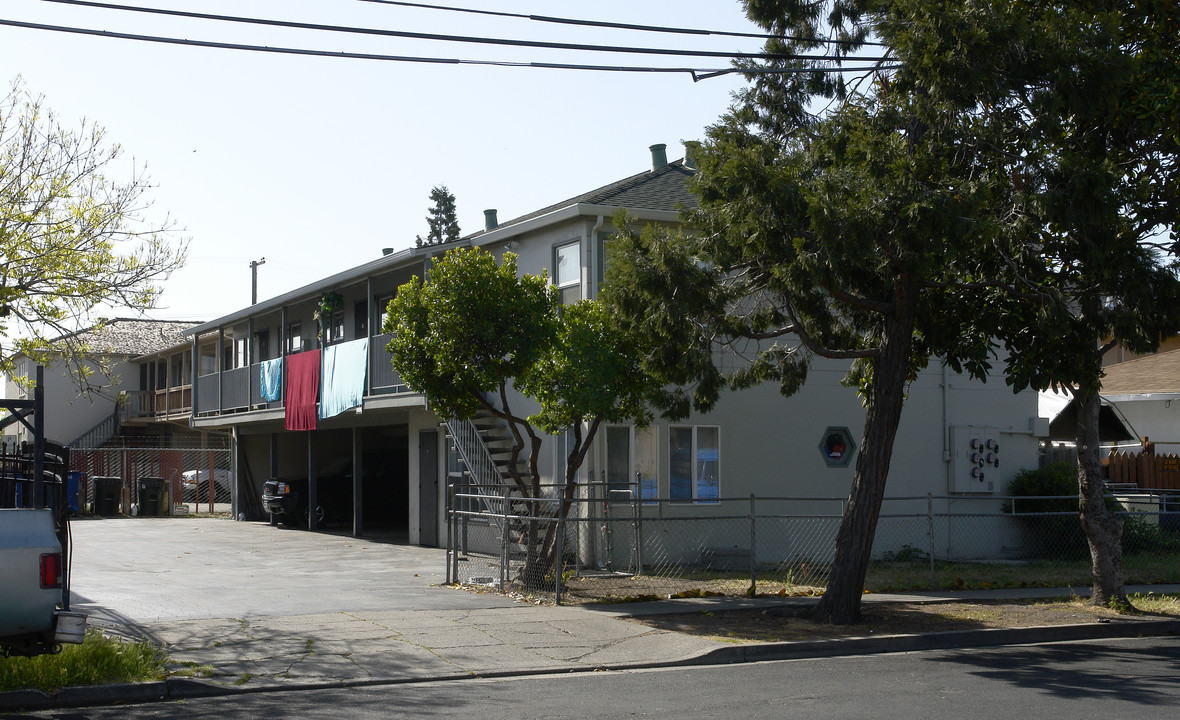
(694, 460)
(632, 463)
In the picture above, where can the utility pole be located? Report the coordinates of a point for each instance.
(254, 279)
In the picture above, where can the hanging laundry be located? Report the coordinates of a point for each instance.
(344, 369)
(303, 386)
(270, 379)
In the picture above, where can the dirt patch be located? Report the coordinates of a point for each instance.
(777, 624)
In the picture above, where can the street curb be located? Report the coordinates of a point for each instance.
(188, 688)
(946, 640)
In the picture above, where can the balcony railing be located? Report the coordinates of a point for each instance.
(238, 389)
(162, 404)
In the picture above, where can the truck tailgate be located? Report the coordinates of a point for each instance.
(25, 535)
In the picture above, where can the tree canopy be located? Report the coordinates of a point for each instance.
(474, 336)
(73, 240)
(911, 212)
(443, 226)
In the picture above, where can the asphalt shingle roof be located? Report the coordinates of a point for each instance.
(1159, 373)
(132, 336)
(663, 189)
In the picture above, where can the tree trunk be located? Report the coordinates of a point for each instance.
(1103, 528)
(840, 604)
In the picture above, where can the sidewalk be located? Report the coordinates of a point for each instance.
(259, 654)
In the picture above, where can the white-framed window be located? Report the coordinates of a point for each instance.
(295, 337)
(694, 463)
(334, 329)
(632, 460)
(567, 271)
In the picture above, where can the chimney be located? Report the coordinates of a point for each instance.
(659, 156)
(691, 149)
(489, 219)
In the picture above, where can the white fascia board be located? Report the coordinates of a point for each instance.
(508, 232)
(1140, 397)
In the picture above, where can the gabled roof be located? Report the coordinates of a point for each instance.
(665, 188)
(131, 336)
(1150, 374)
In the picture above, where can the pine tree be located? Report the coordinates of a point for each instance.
(444, 228)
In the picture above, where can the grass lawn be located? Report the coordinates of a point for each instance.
(98, 660)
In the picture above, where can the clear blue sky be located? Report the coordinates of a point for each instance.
(318, 163)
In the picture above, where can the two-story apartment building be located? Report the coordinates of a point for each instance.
(325, 341)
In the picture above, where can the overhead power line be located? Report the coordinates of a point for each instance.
(618, 25)
(440, 37)
(696, 73)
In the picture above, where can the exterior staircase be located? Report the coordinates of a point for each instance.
(484, 444)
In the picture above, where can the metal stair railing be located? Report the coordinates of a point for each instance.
(100, 434)
(476, 456)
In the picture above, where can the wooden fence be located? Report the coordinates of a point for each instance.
(1145, 470)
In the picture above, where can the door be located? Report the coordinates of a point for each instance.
(428, 488)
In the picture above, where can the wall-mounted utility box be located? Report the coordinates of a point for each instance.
(976, 454)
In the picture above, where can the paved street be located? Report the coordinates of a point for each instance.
(1112, 679)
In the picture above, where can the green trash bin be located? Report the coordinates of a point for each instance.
(107, 491)
(151, 496)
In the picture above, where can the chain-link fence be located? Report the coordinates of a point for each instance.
(620, 548)
(153, 481)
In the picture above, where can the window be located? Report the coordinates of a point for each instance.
(208, 358)
(333, 329)
(295, 337)
(694, 456)
(241, 353)
(382, 312)
(262, 345)
(567, 272)
(631, 462)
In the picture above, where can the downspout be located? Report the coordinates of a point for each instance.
(592, 252)
(946, 429)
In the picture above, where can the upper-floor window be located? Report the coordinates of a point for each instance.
(262, 345)
(295, 337)
(567, 271)
(694, 462)
(382, 312)
(207, 357)
(333, 329)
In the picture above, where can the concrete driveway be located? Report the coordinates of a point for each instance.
(145, 570)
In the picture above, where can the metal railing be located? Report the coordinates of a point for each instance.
(607, 548)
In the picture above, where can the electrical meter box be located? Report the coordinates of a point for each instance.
(976, 454)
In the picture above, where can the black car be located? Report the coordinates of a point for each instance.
(286, 499)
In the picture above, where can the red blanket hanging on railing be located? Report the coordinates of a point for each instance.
(302, 379)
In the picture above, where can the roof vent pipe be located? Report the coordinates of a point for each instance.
(659, 156)
(489, 219)
(386, 251)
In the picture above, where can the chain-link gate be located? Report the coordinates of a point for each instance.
(153, 481)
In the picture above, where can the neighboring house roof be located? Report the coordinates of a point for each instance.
(664, 188)
(1150, 374)
(130, 336)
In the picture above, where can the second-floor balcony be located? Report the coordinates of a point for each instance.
(163, 404)
(239, 390)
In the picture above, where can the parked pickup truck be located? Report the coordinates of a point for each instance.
(31, 592)
(34, 578)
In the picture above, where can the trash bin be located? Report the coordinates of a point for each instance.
(106, 495)
(72, 482)
(151, 496)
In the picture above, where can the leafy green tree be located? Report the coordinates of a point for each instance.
(474, 331)
(444, 228)
(987, 182)
(72, 240)
(1099, 170)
